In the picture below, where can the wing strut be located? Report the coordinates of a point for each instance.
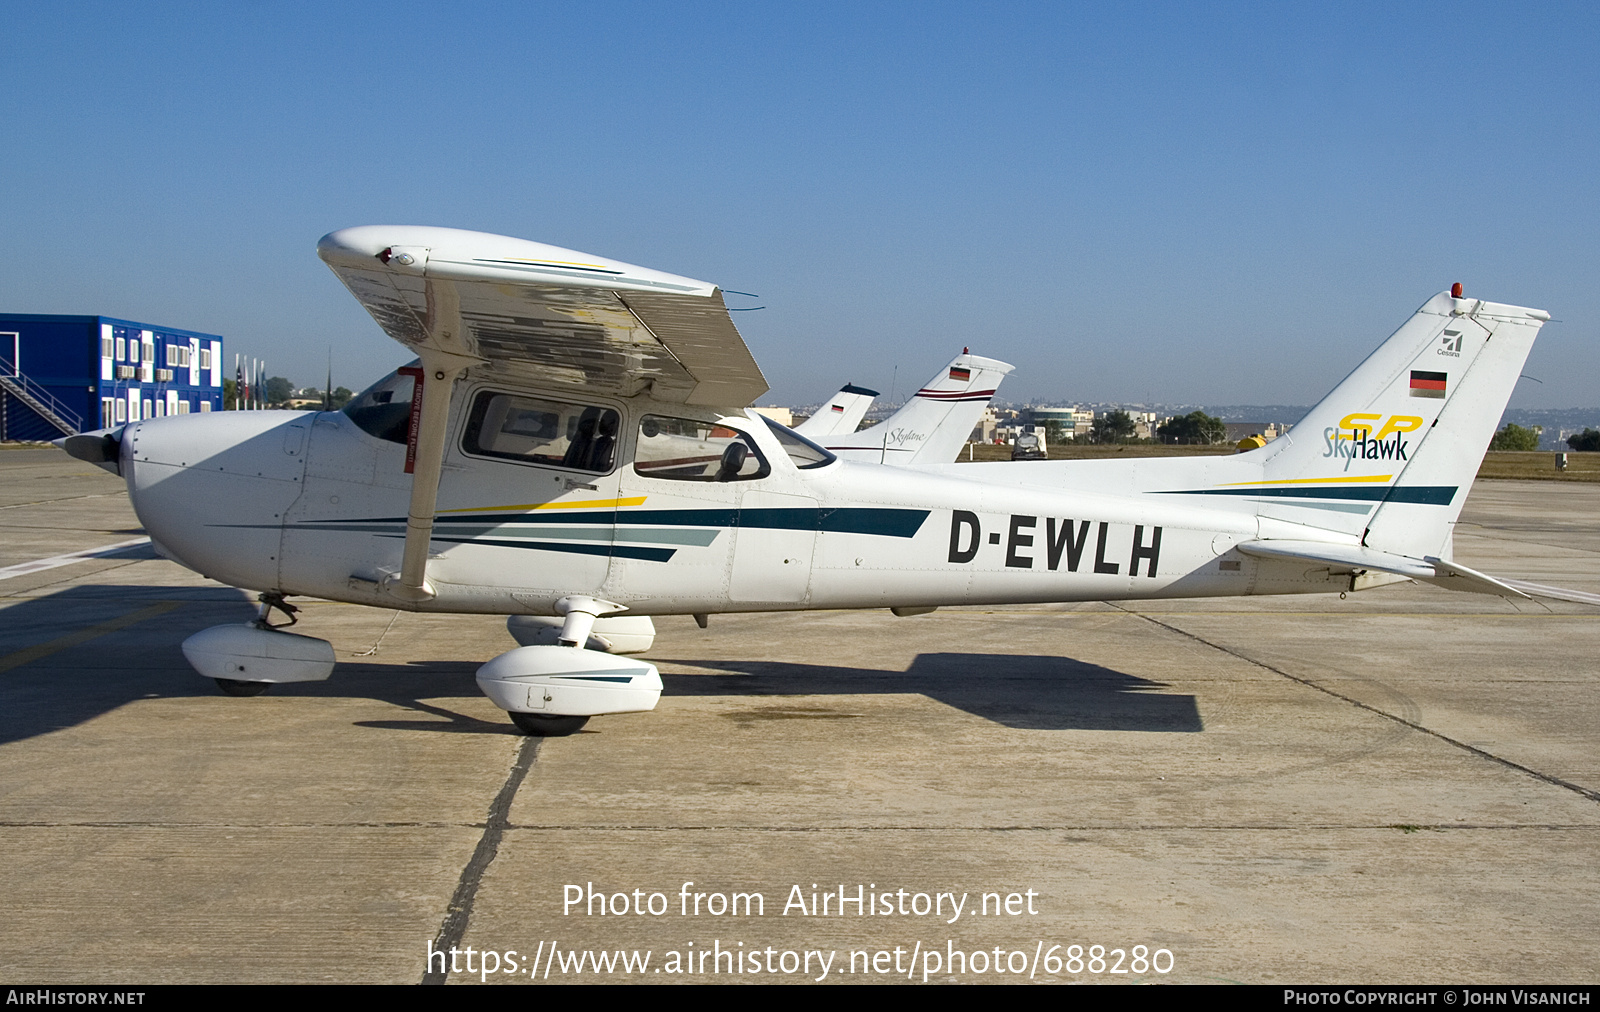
(439, 372)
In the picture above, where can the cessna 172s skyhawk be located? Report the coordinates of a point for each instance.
(573, 449)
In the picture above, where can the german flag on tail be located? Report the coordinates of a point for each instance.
(1427, 384)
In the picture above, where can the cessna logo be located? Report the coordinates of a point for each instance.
(1451, 344)
(1353, 439)
(1053, 542)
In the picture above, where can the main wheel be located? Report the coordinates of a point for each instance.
(547, 727)
(234, 687)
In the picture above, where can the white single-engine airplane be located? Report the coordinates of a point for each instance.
(573, 449)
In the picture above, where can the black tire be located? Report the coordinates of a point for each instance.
(541, 726)
(234, 687)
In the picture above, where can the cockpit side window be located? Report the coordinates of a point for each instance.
(683, 449)
(536, 431)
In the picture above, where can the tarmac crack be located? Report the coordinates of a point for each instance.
(1414, 725)
(1274, 827)
(454, 926)
(1291, 827)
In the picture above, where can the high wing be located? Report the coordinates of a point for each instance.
(536, 313)
(546, 314)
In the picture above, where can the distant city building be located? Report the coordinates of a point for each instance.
(783, 416)
(1068, 423)
(66, 374)
(985, 430)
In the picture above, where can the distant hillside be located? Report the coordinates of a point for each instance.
(1288, 413)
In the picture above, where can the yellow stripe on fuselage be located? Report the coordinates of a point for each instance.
(587, 504)
(1342, 479)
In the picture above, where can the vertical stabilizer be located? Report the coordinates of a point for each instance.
(841, 415)
(1391, 453)
(934, 424)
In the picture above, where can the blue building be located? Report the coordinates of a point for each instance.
(66, 374)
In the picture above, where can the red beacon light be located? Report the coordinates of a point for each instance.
(1455, 290)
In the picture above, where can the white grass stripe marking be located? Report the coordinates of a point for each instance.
(38, 565)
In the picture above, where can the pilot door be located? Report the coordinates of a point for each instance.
(528, 499)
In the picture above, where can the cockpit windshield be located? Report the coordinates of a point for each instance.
(801, 450)
(384, 409)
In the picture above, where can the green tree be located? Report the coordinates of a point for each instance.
(1588, 440)
(341, 397)
(1515, 437)
(1196, 427)
(230, 395)
(1112, 427)
(279, 390)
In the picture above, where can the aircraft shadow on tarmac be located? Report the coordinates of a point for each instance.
(1031, 692)
(87, 677)
(62, 676)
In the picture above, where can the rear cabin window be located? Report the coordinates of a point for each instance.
(683, 449)
(536, 431)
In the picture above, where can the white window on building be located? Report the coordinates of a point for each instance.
(205, 358)
(122, 411)
(205, 407)
(122, 348)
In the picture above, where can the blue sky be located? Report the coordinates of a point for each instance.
(1185, 203)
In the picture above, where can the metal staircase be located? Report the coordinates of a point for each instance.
(39, 400)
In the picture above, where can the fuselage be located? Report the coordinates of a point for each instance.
(528, 513)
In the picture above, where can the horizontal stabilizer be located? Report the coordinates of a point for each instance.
(1554, 593)
(1449, 575)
